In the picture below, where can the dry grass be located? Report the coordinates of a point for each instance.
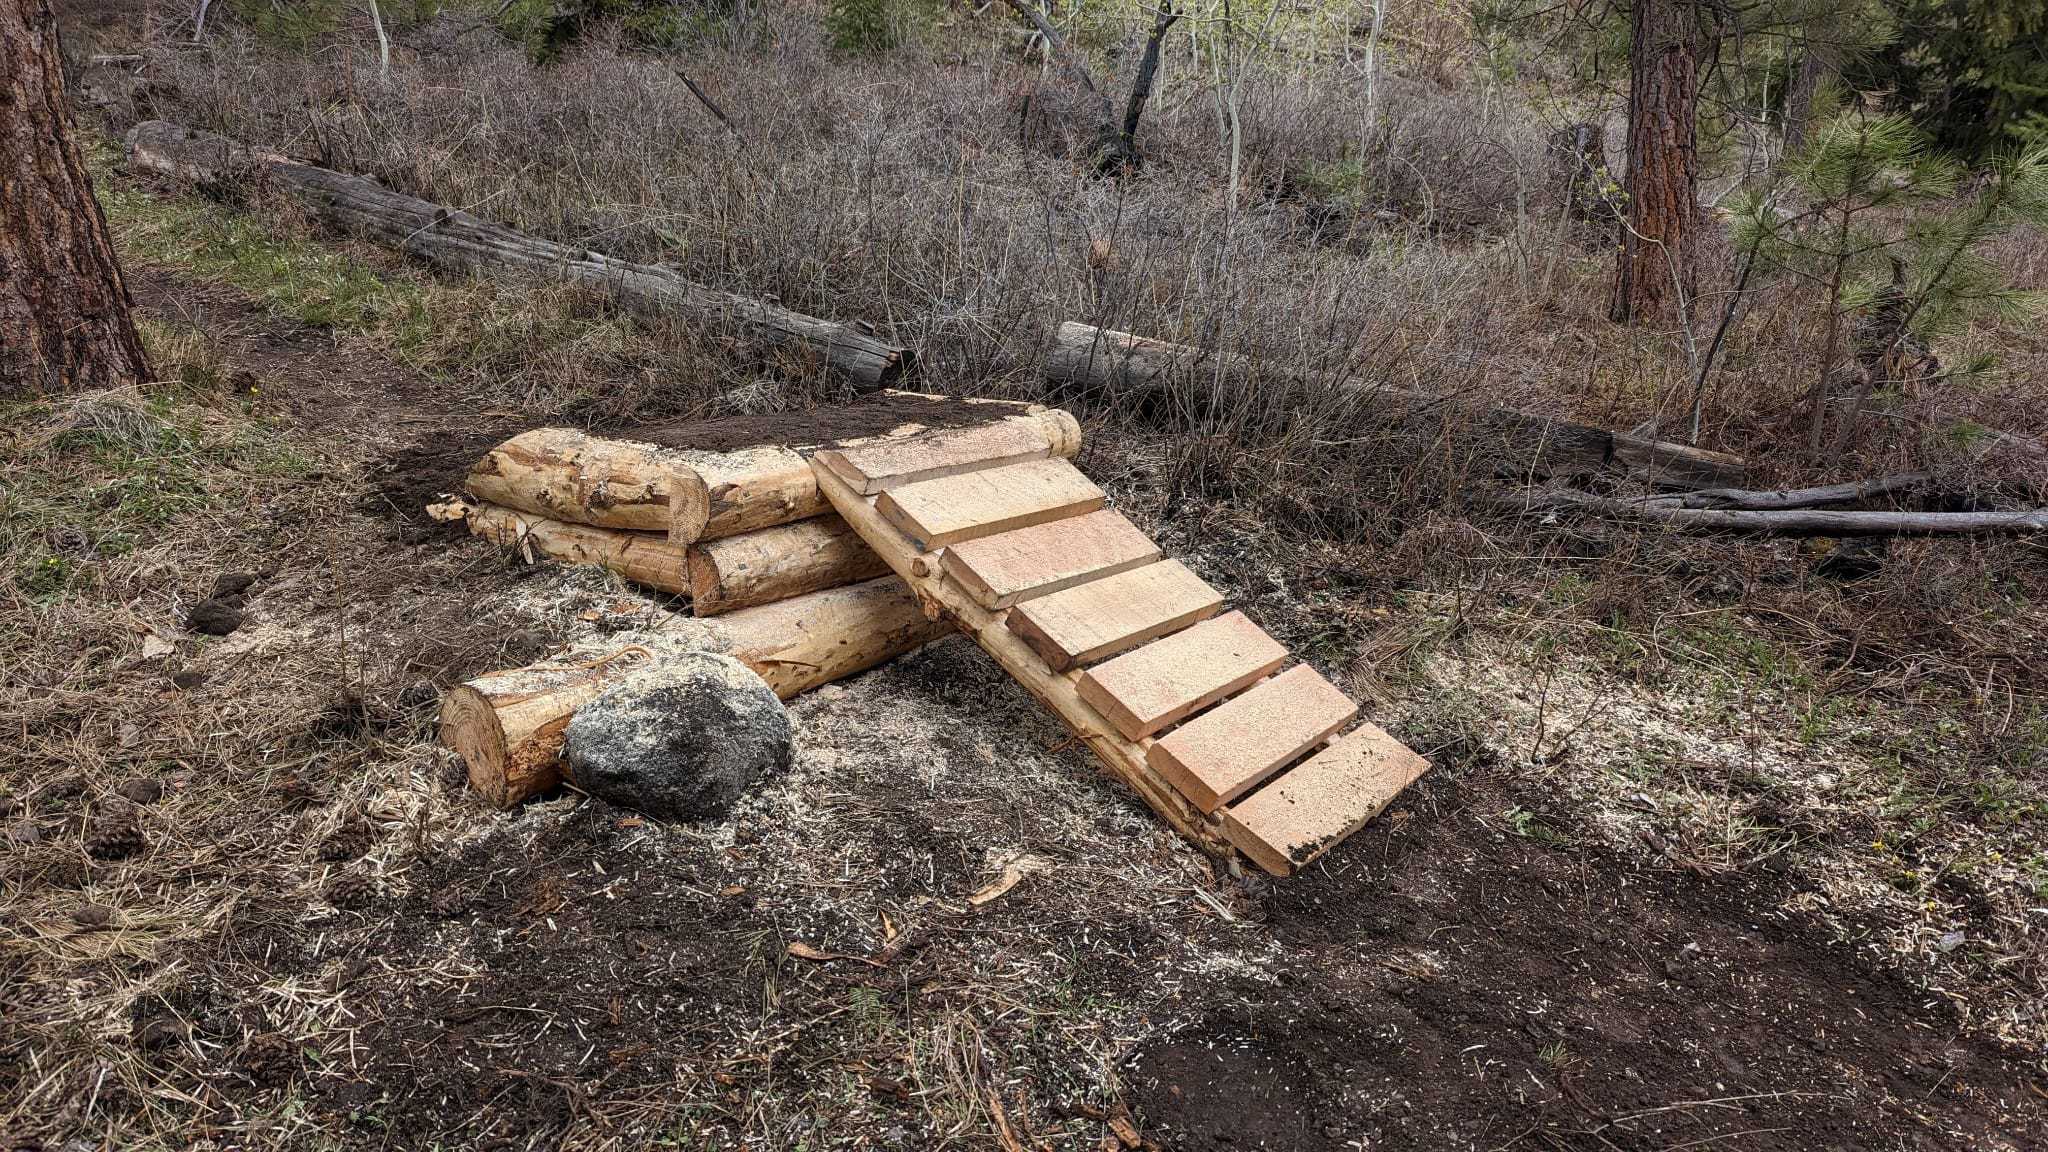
(316, 920)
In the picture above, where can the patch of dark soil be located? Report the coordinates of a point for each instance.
(1456, 984)
(505, 997)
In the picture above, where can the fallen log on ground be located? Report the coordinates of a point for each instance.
(508, 726)
(645, 558)
(1754, 500)
(1521, 444)
(1786, 522)
(777, 563)
(455, 241)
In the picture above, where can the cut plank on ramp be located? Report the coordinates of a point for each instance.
(1225, 752)
(1171, 679)
(1307, 810)
(884, 463)
(1010, 567)
(1099, 619)
(935, 513)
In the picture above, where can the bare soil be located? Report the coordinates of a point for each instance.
(409, 969)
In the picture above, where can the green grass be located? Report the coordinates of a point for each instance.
(309, 282)
(97, 476)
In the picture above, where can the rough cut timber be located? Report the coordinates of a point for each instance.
(1276, 845)
(642, 557)
(565, 474)
(1225, 752)
(1099, 619)
(1135, 370)
(777, 563)
(946, 601)
(507, 726)
(717, 494)
(455, 241)
(1172, 678)
(1322, 800)
(1011, 567)
(889, 462)
(951, 509)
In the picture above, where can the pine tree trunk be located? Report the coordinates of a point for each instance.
(1799, 97)
(1656, 264)
(64, 310)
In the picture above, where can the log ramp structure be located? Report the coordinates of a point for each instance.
(1132, 650)
(809, 563)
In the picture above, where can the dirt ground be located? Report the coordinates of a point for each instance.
(326, 943)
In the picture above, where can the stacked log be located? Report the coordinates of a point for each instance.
(774, 577)
(507, 726)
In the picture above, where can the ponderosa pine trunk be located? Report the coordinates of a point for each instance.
(64, 309)
(1655, 264)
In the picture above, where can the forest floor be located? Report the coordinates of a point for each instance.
(1684, 877)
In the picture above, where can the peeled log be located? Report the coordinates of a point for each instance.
(565, 474)
(1519, 444)
(456, 241)
(642, 557)
(726, 493)
(718, 494)
(777, 563)
(508, 726)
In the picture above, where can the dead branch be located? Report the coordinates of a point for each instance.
(1789, 522)
(1784, 499)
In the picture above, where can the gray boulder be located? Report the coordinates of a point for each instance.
(680, 740)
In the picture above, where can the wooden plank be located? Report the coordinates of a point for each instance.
(943, 599)
(1223, 753)
(1099, 619)
(937, 513)
(876, 466)
(1027, 563)
(1320, 801)
(1170, 679)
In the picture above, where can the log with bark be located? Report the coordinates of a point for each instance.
(455, 241)
(646, 558)
(1519, 444)
(508, 726)
(1783, 520)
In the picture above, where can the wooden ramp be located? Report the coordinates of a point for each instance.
(1197, 709)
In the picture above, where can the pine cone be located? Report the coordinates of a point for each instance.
(269, 1059)
(351, 890)
(115, 833)
(349, 841)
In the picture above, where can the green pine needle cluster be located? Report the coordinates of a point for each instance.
(1870, 209)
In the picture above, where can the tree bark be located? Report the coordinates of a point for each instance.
(1655, 268)
(455, 241)
(1132, 370)
(65, 322)
(1806, 81)
(508, 726)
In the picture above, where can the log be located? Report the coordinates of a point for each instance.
(1783, 499)
(1520, 444)
(508, 726)
(1789, 522)
(645, 558)
(726, 493)
(455, 241)
(777, 563)
(565, 474)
